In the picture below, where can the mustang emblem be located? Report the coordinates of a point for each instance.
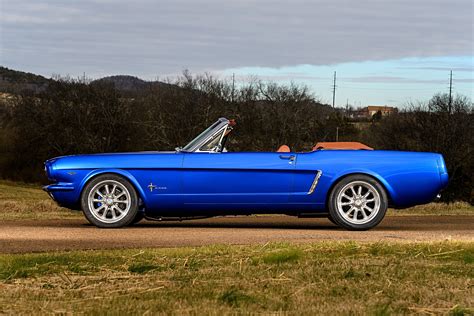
(151, 186)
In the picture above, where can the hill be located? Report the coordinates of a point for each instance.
(19, 82)
(125, 83)
(130, 84)
(25, 83)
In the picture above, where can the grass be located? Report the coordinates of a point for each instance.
(24, 201)
(307, 279)
(456, 208)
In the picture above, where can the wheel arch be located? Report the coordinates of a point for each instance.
(120, 172)
(385, 185)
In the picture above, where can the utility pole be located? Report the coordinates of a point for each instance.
(450, 91)
(233, 86)
(334, 91)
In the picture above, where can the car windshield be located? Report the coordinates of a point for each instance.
(200, 137)
(213, 142)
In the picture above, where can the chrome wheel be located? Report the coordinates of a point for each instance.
(358, 202)
(109, 201)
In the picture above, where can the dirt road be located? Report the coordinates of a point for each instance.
(46, 235)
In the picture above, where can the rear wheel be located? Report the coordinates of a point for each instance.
(331, 220)
(358, 202)
(109, 201)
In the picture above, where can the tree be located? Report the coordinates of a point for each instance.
(430, 127)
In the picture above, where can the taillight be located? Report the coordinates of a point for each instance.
(443, 171)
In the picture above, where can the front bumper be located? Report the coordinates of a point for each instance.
(60, 192)
(60, 186)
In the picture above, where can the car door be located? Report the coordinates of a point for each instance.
(311, 181)
(240, 181)
(159, 177)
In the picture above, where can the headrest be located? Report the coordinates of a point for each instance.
(283, 149)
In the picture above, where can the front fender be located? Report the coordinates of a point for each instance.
(121, 172)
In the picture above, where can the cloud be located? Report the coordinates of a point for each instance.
(372, 82)
(445, 69)
(149, 38)
(394, 79)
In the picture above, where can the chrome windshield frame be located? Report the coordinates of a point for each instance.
(194, 146)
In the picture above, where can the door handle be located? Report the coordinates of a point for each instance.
(289, 157)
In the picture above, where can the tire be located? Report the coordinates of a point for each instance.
(121, 201)
(138, 218)
(331, 220)
(357, 202)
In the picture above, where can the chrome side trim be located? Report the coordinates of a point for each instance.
(315, 182)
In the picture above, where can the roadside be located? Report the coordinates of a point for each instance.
(20, 201)
(420, 264)
(303, 279)
(22, 236)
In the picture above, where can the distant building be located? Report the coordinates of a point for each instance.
(385, 110)
(369, 111)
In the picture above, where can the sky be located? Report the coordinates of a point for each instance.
(384, 52)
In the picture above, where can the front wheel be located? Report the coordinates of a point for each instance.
(358, 202)
(109, 201)
(138, 218)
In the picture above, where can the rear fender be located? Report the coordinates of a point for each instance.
(389, 189)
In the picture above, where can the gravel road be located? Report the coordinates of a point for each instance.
(69, 234)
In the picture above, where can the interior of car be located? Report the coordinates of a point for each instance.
(283, 149)
(217, 142)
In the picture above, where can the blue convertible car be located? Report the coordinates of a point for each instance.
(352, 187)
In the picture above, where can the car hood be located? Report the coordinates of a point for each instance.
(121, 154)
(108, 160)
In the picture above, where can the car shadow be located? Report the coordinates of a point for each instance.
(278, 222)
(231, 223)
(250, 225)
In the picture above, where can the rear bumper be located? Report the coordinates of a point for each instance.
(444, 178)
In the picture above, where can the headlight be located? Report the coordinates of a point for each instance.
(48, 169)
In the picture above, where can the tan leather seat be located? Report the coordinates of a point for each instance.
(341, 145)
(283, 149)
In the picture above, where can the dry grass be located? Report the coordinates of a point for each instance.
(456, 208)
(307, 279)
(320, 278)
(25, 201)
